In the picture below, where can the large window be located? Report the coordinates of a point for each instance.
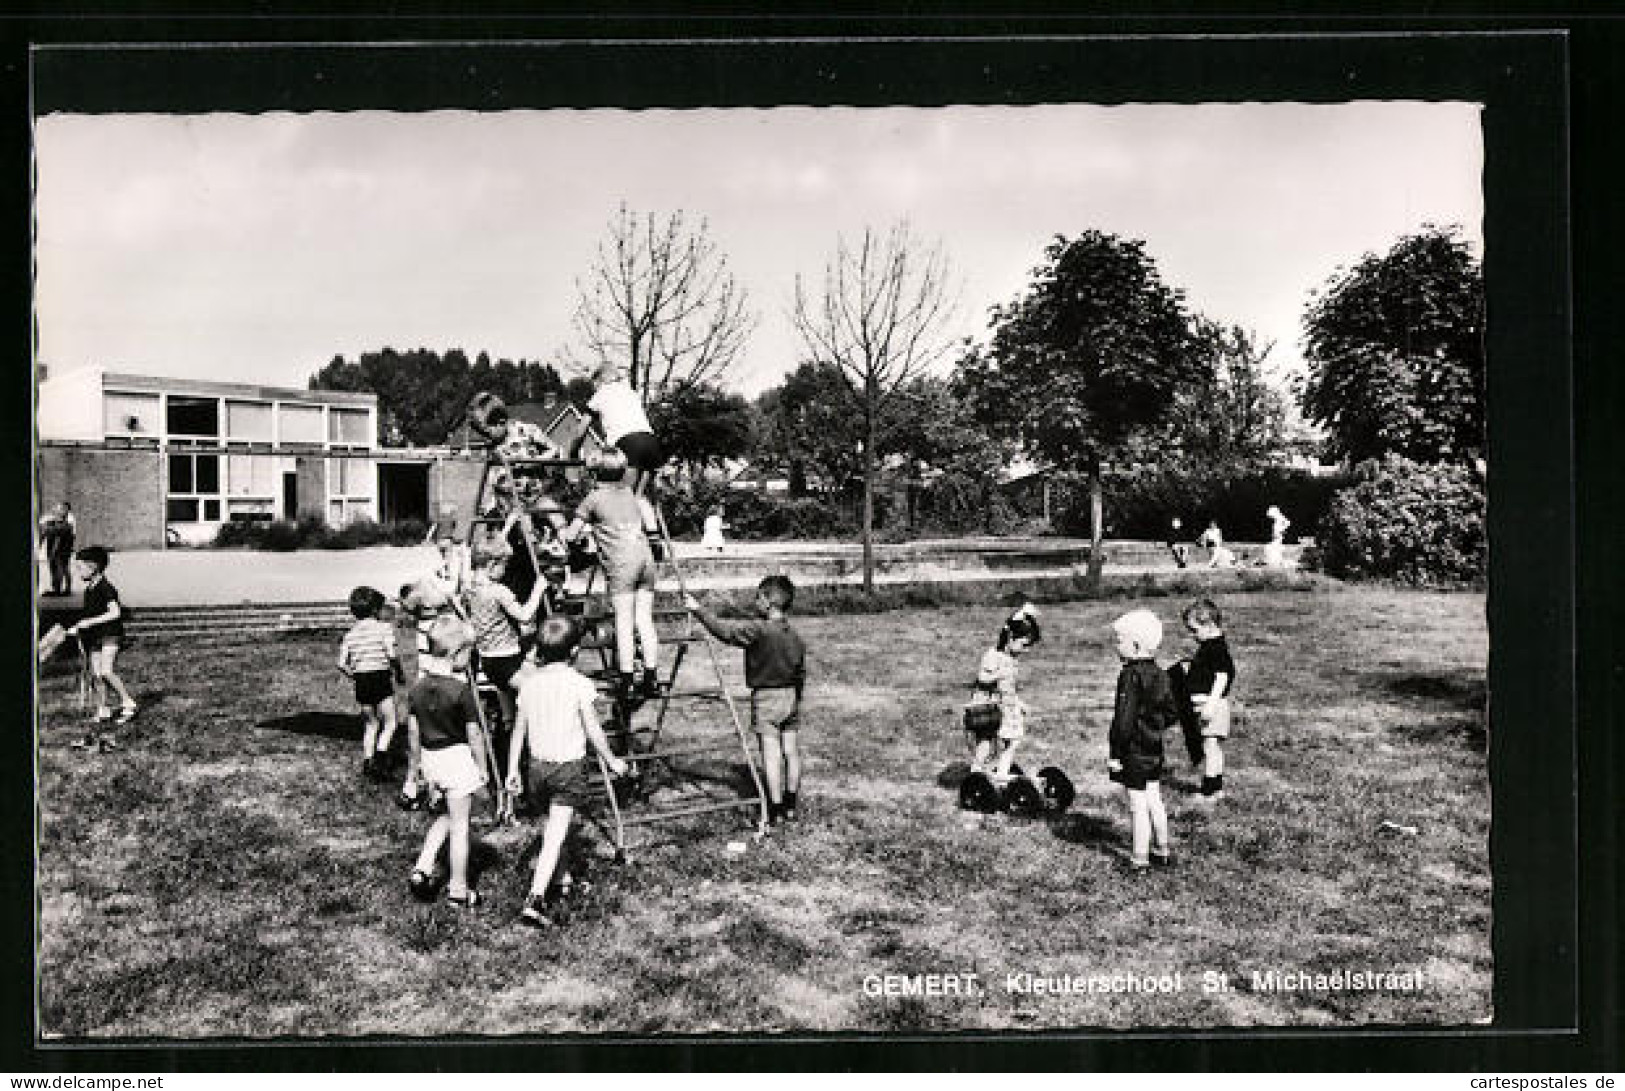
(130, 414)
(300, 424)
(349, 427)
(248, 422)
(350, 486)
(193, 418)
(194, 488)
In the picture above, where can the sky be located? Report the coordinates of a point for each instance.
(256, 248)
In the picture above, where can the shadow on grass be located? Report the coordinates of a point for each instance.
(327, 725)
(1464, 690)
(1087, 829)
(953, 775)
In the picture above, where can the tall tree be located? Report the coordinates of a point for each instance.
(661, 301)
(879, 315)
(702, 425)
(1396, 353)
(811, 425)
(1093, 353)
(1233, 416)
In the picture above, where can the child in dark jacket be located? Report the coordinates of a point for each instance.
(1144, 709)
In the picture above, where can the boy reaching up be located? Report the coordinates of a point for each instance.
(776, 672)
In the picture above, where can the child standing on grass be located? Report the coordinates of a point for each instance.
(622, 522)
(496, 616)
(367, 656)
(776, 672)
(100, 629)
(443, 731)
(1144, 709)
(556, 721)
(1202, 688)
(996, 689)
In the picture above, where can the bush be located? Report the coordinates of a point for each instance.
(1420, 524)
(310, 532)
(753, 516)
(1140, 503)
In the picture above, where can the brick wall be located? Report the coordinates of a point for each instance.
(117, 495)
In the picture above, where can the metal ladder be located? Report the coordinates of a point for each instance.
(638, 802)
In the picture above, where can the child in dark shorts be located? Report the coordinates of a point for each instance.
(497, 616)
(446, 748)
(776, 672)
(556, 720)
(1143, 710)
(1202, 688)
(100, 630)
(368, 657)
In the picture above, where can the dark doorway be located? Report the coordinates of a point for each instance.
(290, 495)
(403, 491)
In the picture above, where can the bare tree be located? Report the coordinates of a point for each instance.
(880, 316)
(661, 301)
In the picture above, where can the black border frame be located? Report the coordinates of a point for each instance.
(1522, 75)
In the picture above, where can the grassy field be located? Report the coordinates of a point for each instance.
(229, 873)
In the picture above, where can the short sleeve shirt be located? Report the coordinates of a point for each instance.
(494, 630)
(619, 410)
(617, 517)
(1212, 659)
(996, 676)
(98, 596)
(444, 707)
(555, 705)
(368, 646)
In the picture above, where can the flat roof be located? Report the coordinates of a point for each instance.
(154, 384)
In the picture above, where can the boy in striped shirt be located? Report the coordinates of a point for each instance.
(368, 658)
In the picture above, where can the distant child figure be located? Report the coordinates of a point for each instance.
(625, 424)
(711, 538)
(556, 721)
(443, 729)
(1202, 689)
(496, 616)
(368, 657)
(100, 629)
(621, 521)
(996, 689)
(57, 529)
(1144, 709)
(1176, 542)
(1213, 539)
(1275, 549)
(776, 672)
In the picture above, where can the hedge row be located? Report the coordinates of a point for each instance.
(310, 532)
(1142, 504)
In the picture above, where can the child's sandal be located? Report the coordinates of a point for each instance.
(422, 885)
(467, 900)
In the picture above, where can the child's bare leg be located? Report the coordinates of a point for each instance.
(433, 842)
(386, 714)
(1007, 755)
(114, 682)
(626, 649)
(643, 616)
(553, 837)
(1212, 757)
(457, 809)
(369, 731)
(792, 761)
(773, 767)
(1158, 817)
(981, 751)
(1139, 809)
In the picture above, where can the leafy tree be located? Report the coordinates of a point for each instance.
(878, 316)
(810, 425)
(1231, 417)
(702, 425)
(661, 301)
(1396, 355)
(422, 394)
(1093, 354)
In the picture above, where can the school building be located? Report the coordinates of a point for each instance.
(148, 461)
